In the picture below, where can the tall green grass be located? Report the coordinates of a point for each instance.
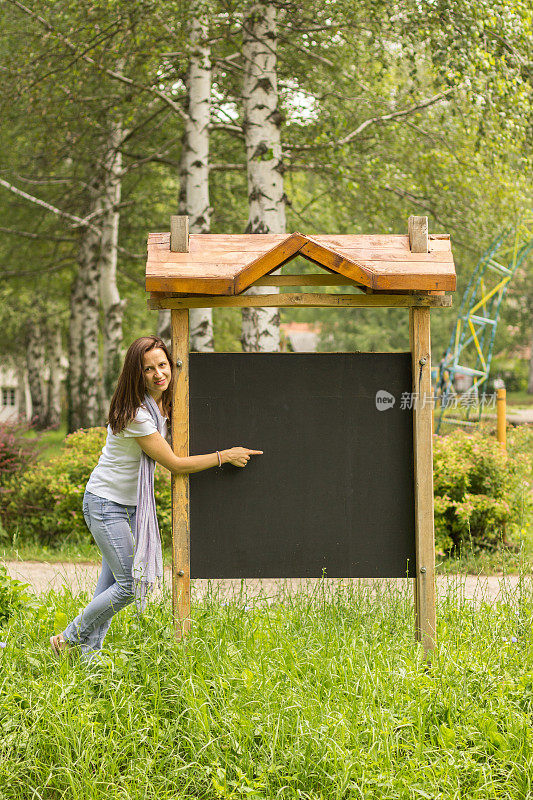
(320, 695)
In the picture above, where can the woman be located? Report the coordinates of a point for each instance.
(120, 491)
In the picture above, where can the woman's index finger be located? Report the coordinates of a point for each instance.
(256, 452)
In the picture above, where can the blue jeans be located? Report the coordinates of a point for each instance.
(112, 526)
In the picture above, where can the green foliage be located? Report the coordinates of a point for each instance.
(513, 371)
(13, 596)
(482, 495)
(44, 503)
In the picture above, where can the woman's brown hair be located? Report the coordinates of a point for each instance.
(130, 391)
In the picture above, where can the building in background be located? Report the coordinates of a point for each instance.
(15, 396)
(299, 337)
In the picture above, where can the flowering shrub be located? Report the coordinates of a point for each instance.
(16, 451)
(44, 503)
(482, 494)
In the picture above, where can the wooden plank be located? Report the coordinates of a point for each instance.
(311, 300)
(211, 286)
(325, 278)
(311, 279)
(279, 255)
(425, 614)
(234, 255)
(226, 286)
(418, 230)
(385, 275)
(438, 242)
(401, 256)
(184, 261)
(181, 570)
(179, 234)
(332, 260)
(220, 243)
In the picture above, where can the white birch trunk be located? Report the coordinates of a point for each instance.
(112, 305)
(35, 366)
(54, 352)
(74, 411)
(194, 166)
(262, 120)
(90, 384)
(21, 391)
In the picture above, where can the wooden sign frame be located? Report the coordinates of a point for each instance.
(419, 304)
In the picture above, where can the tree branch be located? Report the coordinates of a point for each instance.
(29, 235)
(373, 120)
(49, 207)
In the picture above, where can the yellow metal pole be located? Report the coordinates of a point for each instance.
(501, 414)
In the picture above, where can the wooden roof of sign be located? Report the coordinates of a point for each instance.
(228, 264)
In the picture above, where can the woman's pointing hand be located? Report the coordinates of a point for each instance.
(238, 456)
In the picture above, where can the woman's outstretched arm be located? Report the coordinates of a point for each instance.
(159, 449)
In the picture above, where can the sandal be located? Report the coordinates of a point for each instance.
(58, 644)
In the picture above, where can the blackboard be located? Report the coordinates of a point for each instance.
(333, 493)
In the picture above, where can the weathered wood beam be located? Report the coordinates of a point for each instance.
(181, 571)
(425, 613)
(309, 300)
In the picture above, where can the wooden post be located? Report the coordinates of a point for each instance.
(181, 572)
(181, 562)
(418, 234)
(420, 342)
(501, 415)
(179, 234)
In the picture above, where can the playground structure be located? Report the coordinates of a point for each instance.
(472, 340)
(412, 271)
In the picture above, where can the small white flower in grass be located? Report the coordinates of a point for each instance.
(3, 644)
(248, 608)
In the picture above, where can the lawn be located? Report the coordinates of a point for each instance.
(312, 697)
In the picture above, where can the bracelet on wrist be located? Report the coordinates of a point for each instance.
(219, 459)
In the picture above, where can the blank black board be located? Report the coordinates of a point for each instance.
(333, 493)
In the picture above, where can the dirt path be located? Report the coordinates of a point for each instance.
(78, 577)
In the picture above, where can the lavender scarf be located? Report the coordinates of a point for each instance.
(147, 558)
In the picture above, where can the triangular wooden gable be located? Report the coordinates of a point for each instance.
(218, 264)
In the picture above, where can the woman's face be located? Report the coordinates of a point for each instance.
(156, 371)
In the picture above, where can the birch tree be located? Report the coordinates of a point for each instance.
(194, 167)
(74, 372)
(54, 353)
(90, 385)
(35, 367)
(112, 304)
(262, 123)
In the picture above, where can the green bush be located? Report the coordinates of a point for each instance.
(44, 503)
(482, 494)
